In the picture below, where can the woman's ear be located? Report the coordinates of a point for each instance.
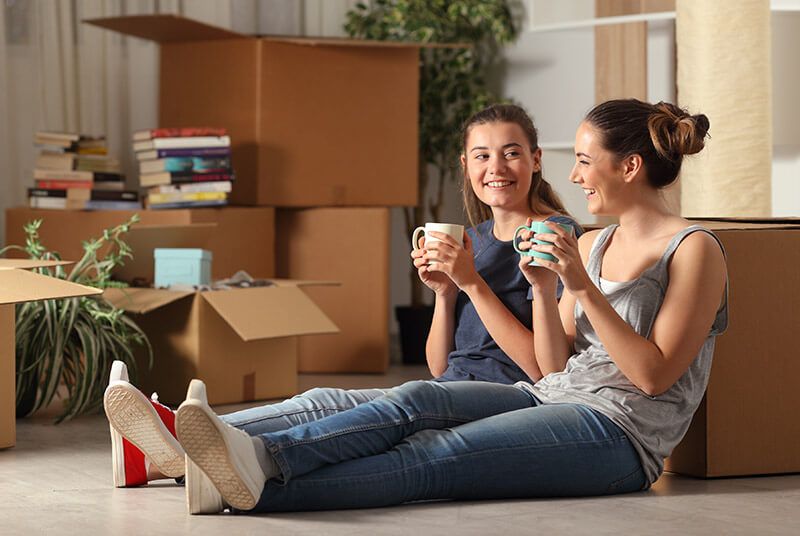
(537, 160)
(463, 163)
(631, 167)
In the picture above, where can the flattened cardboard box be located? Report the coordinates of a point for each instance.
(241, 342)
(748, 422)
(351, 246)
(16, 286)
(312, 121)
(230, 238)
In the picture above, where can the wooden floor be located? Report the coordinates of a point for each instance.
(57, 480)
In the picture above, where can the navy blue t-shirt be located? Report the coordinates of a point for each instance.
(476, 355)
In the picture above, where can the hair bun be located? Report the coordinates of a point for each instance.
(674, 132)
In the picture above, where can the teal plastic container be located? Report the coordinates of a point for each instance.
(182, 266)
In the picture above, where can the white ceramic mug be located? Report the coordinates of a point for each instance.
(452, 229)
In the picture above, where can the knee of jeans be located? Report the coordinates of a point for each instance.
(315, 391)
(410, 394)
(320, 397)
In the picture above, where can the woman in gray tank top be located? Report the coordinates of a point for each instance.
(625, 356)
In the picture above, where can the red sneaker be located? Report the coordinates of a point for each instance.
(142, 430)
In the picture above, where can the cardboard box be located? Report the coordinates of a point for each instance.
(17, 286)
(242, 343)
(313, 121)
(242, 238)
(351, 246)
(748, 423)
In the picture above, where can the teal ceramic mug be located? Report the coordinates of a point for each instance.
(538, 227)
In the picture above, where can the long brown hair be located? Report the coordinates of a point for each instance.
(541, 197)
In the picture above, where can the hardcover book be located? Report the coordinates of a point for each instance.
(182, 142)
(166, 177)
(175, 197)
(197, 164)
(61, 161)
(218, 152)
(62, 184)
(210, 186)
(178, 132)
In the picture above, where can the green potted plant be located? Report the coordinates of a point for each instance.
(453, 86)
(72, 341)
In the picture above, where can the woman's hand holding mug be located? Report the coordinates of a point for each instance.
(555, 247)
(540, 278)
(443, 264)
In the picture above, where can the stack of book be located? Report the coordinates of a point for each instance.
(184, 167)
(74, 171)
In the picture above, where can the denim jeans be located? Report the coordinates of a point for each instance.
(458, 440)
(303, 408)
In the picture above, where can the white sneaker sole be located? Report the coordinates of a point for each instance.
(117, 459)
(133, 416)
(205, 440)
(201, 495)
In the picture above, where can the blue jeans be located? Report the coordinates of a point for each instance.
(458, 440)
(303, 408)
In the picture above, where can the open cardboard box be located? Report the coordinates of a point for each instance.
(748, 422)
(312, 121)
(18, 285)
(242, 342)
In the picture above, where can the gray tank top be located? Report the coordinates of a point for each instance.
(656, 424)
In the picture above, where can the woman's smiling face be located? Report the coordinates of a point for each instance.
(500, 165)
(597, 171)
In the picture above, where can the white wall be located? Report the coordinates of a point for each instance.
(551, 74)
(786, 113)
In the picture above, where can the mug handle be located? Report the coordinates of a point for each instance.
(415, 237)
(514, 241)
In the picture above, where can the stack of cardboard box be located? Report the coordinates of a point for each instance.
(324, 140)
(326, 131)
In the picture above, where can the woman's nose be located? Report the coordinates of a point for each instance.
(573, 175)
(497, 165)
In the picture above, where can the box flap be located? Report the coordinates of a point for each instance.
(18, 286)
(267, 312)
(143, 239)
(143, 300)
(10, 264)
(349, 42)
(165, 28)
(305, 283)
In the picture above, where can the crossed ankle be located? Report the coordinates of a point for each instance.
(265, 459)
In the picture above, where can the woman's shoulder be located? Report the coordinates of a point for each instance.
(587, 240)
(699, 246)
